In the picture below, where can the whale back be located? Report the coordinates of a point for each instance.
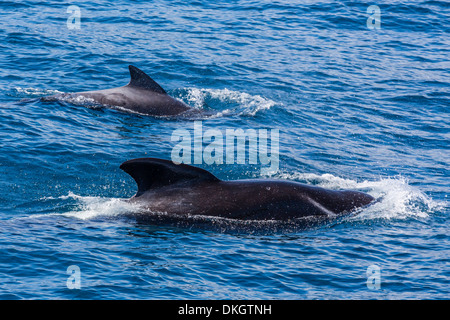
(152, 173)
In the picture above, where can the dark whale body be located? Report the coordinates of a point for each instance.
(142, 95)
(183, 190)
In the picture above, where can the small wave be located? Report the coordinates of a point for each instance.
(33, 92)
(241, 102)
(396, 198)
(88, 207)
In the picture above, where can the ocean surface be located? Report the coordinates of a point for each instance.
(359, 102)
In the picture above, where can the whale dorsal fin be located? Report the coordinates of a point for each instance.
(141, 80)
(152, 173)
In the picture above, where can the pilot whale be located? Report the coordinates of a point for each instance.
(142, 95)
(181, 190)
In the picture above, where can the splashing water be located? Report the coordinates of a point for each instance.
(396, 199)
(242, 102)
(88, 207)
(33, 92)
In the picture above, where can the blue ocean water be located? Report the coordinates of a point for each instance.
(356, 107)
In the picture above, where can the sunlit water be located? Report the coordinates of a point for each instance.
(356, 109)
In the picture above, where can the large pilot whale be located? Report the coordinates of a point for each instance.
(142, 95)
(181, 190)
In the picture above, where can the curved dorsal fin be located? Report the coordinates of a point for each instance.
(141, 80)
(152, 173)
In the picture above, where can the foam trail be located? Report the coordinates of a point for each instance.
(93, 207)
(396, 198)
(34, 92)
(249, 104)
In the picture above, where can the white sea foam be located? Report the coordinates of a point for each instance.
(34, 92)
(397, 199)
(88, 207)
(246, 104)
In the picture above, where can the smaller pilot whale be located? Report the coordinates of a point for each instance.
(185, 191)
(142, 95)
